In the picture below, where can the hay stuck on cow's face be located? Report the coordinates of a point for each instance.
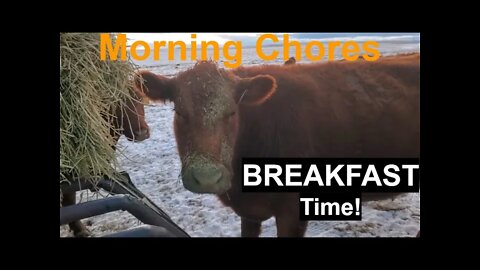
(206, 101)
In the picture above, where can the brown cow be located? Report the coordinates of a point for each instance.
(333, 109)
(129, 121)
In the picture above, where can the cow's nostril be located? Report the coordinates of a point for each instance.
(206, 176)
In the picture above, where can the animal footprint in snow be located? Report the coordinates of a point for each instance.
(387, 205)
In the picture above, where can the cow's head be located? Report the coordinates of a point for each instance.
(207, 101)
(131, 118)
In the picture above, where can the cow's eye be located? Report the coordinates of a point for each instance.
(231, 114)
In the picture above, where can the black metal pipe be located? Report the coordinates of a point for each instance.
(122, 202)
(113, 187)
(143, 231)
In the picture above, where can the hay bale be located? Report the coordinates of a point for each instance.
(90, 90)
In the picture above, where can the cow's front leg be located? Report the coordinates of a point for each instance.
(78, 228)
(290, 226)
(251, 228)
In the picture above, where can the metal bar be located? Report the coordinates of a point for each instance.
(115, 188)
(122, 202)
(143, 231)
(112, 187)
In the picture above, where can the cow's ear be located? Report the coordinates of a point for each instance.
(255, 90)
(155, 87)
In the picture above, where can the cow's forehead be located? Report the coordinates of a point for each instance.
(208, 92)
(203, 82)
(205, 72)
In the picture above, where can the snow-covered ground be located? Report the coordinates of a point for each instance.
(154, 167)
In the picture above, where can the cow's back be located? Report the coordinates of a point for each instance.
(336, 109)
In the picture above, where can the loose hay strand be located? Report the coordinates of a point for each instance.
(90, 91)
